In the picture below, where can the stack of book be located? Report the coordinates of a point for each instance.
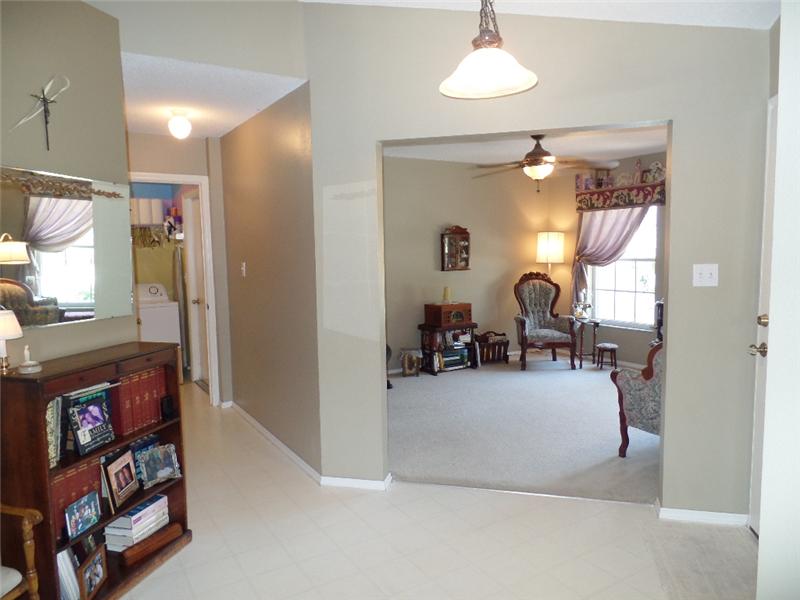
(455, 357)
(138, 524)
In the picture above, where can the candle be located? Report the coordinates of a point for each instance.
(446, 295)
(27, 353)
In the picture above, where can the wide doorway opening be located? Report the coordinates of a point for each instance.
(509, 259)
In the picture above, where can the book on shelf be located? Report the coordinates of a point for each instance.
(90, 421)
(67, 564)
(140, 512)
(53, 420)
(70, 485)
(119, 542)
(143, 525)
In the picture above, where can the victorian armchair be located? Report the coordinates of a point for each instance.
(640, 394)
(13, 582)
(538, 325)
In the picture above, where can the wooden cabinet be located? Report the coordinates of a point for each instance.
(26, 474)
(441, 350)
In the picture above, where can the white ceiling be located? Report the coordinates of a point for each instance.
(747, 14)
(605, 144)
(216, 99)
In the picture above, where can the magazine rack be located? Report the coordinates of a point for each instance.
(27, 476)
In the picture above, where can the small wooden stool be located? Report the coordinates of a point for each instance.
(604, 347)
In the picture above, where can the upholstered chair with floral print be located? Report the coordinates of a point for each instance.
(538, 325)
(640, 396)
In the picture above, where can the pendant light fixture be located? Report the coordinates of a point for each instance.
(179, 125)
(488, 71)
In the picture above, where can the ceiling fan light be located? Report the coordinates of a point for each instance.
(488, 73)
(180, 126)
(538, 172)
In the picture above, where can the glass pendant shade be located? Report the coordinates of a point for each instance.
(13, 252)
(538, 172)
(180, 127)
(488, 73)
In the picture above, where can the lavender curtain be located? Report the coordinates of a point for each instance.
(51, 225)
(603, 236)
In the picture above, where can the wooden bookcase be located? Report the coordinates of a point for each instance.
(27, 476)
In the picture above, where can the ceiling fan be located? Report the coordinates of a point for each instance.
(539, 163)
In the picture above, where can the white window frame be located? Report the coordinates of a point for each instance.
(658, 265)
(70, 304)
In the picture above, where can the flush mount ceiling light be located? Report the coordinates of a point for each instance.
(488, 71)
(179, 125)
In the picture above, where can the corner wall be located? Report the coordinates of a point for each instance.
(269, 218)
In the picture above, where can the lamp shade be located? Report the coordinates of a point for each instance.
(9, 326)
(13, 252)
(550, 247)
(488, 73)
(538, 172)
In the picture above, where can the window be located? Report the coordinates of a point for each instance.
(69, 275)
(625, 291)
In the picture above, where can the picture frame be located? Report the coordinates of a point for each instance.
(122, 481)
(93, 573)
(159, 464)
(455, 249)
(83, 514)
(90, 420)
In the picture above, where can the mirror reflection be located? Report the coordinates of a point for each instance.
(64, 249)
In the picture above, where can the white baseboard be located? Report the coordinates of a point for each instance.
(304, 466)
(702, 516)
(344, 482)
(394, 371)
(360, 484)
(227, 404)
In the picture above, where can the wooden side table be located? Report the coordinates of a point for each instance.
(584, 321)
(433, 345)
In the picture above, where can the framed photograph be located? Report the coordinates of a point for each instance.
(83, 514)
(122, 480)
(90, 420)
(93, 573)
(159, 464)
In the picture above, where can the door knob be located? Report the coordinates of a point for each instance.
(760, 349)
(196, 301)
(763, 320)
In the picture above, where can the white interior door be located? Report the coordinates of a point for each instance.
(762, 335)
(197, 304)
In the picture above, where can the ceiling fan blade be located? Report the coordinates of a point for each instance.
(514, 163)
(579, 163)
(498, 171)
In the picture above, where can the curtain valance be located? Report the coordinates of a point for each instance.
(643, 194)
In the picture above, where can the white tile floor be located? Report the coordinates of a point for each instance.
(263, 529)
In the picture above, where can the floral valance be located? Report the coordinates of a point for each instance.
(644, 194)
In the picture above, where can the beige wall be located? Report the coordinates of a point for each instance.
(39, 40)
(711, 82)
(504, 213)
(774, 56)
(150, 153)
(257, 36)
(779, 541)
(266, 164)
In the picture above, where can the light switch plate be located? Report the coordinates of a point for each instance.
(706, 275)
(244, 268)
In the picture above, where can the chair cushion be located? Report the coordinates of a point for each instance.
(547, 335)
(9, 579)
(607, 346)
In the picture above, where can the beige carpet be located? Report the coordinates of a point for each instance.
(548, 429)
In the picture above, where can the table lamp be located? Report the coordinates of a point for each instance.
(13, 252)
(9, 330)
(550, 248)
